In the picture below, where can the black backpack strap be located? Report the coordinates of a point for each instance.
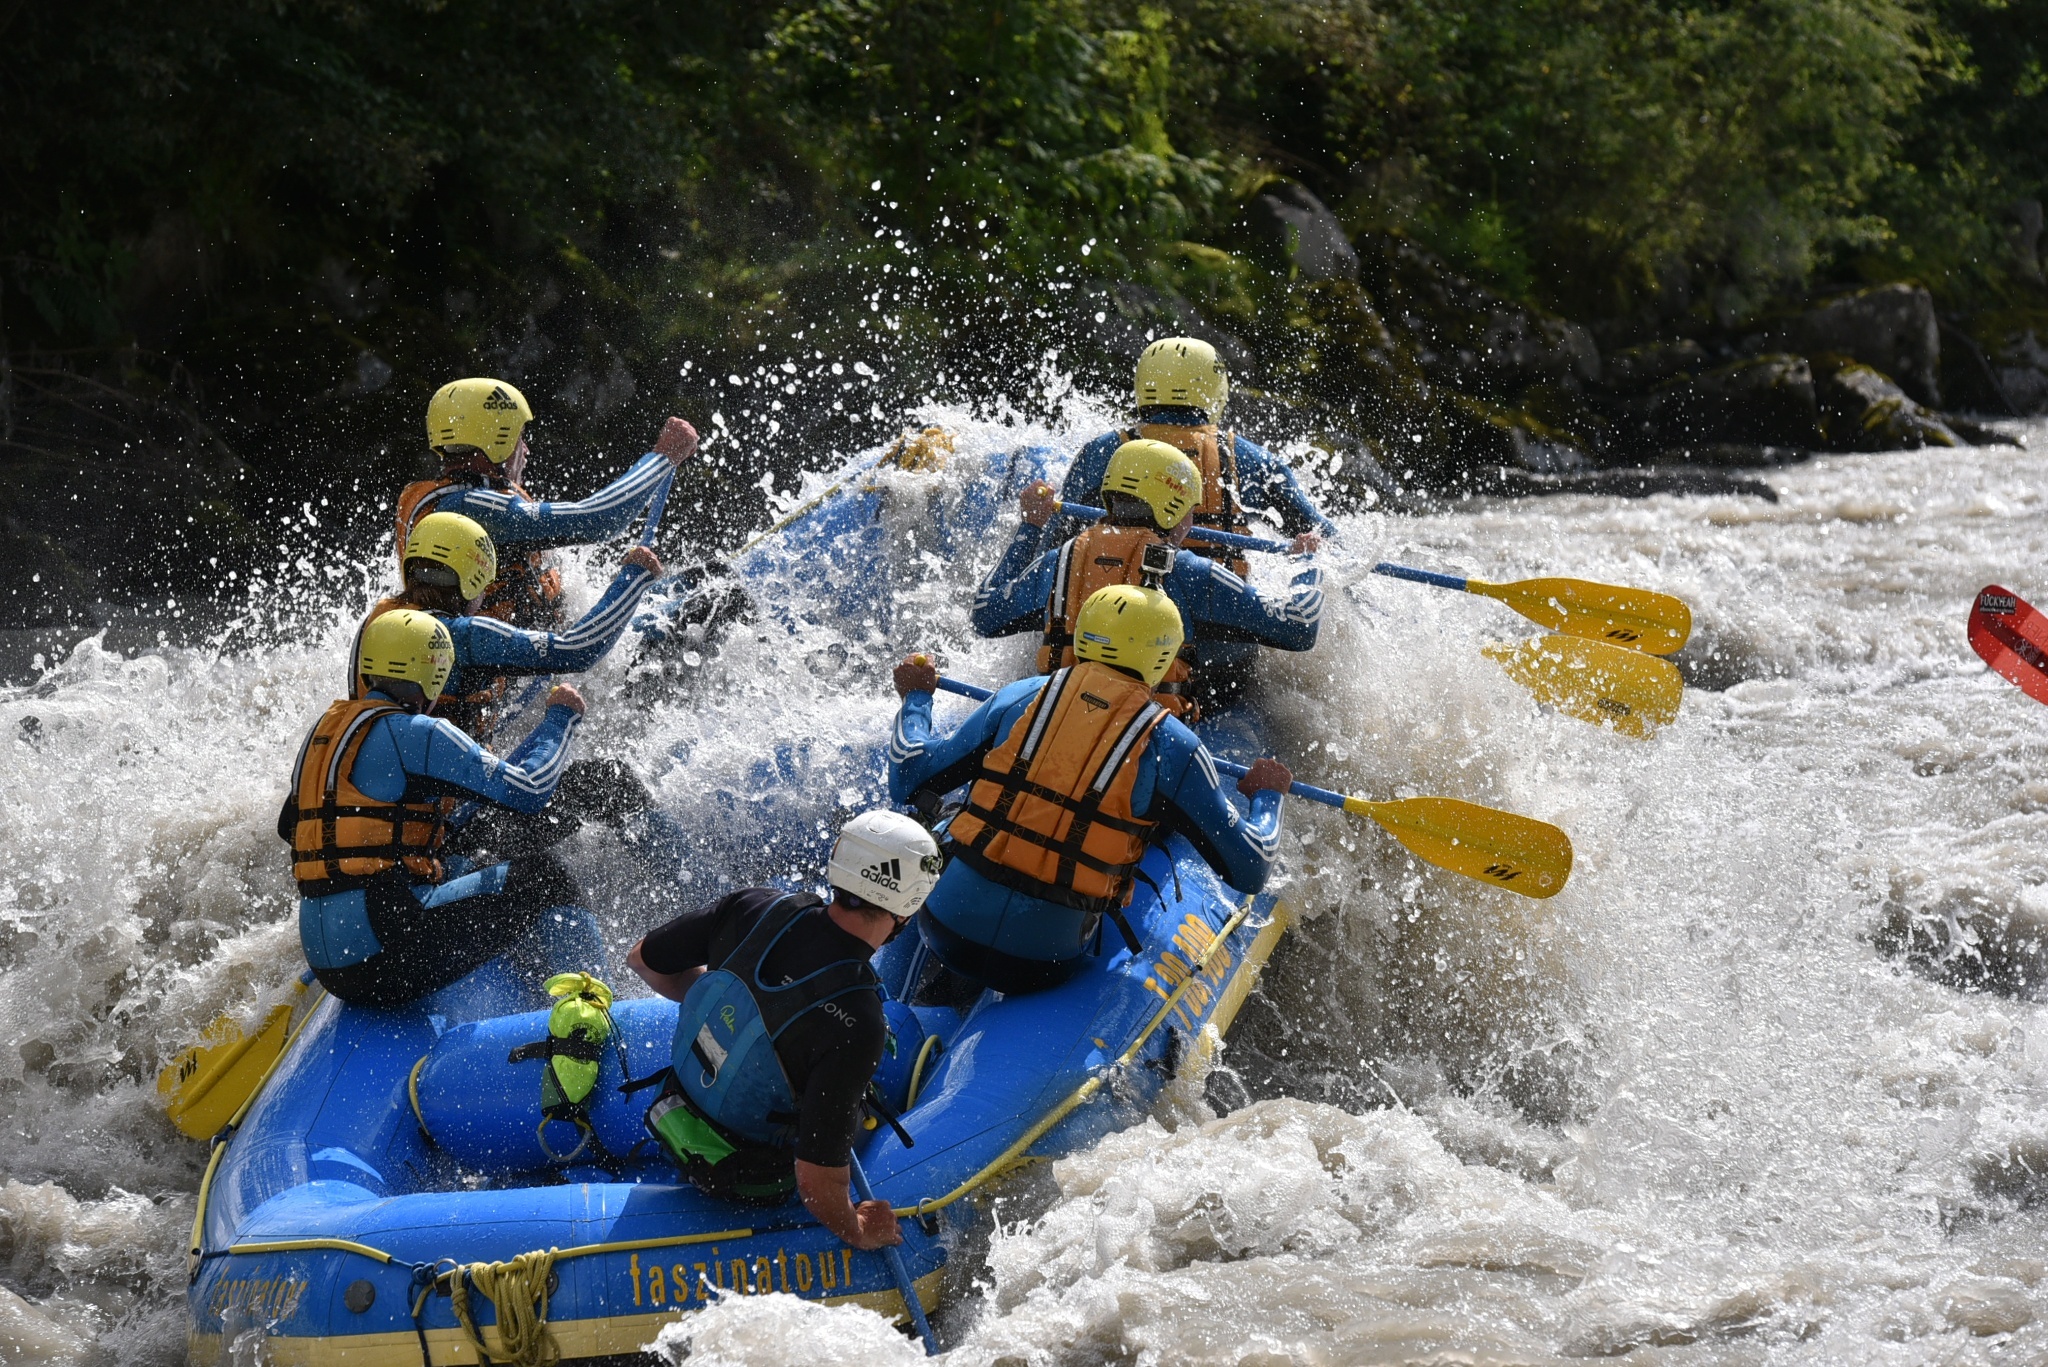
(643, 1083)
(1123, 928)
(877, 1105)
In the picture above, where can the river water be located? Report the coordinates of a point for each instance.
(1767, 1083)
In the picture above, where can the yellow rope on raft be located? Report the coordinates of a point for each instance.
(412, 1092)
(309, 1245)
(518, 1291)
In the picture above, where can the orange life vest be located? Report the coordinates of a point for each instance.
(341, 836)
(1100, 556)
(1050, 814)
(474, 712)
(1215, 455)
(528, 590)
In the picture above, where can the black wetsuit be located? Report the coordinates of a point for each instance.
(830, 1053)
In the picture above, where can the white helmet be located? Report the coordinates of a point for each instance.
(887, 859)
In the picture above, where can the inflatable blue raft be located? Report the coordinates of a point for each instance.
(389, 1196)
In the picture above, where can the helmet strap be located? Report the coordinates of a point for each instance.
(1174, 415)
(404, 692)
(465, 460)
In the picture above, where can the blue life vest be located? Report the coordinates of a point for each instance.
(724, 1052)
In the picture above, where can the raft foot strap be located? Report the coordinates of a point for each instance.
(1123, 928)
(423, 1287)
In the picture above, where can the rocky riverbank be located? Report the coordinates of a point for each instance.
(1425, 386)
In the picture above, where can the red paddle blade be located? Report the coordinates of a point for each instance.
(2012, 638)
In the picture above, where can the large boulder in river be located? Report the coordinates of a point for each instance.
(1891, 328)
(1763, 400)
(1301, 229)
(2017, 349)
(1468, 336)
(1635, 369)
(1862, 409)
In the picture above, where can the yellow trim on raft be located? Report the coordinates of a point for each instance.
(197, 1246)
(1080, 1095)
(1234, 996)
(589, 1338)
(192, 1249)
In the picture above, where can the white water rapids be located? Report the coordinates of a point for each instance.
(1697, 1108)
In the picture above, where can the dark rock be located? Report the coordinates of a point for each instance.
(1354, 467)
(1968, 379)
(1763, 401)
(2024, 234)
(1636, 483)
(2020, 361)
(1108, 325)
(1643, 367)
(1301, 227)
(1735, 455)
(1465, 334)
(1891, 328)
(1462, 442)
(1863, 410)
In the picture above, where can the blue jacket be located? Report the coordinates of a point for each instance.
(414, 756)
(1215, 605)
(1176, 785)
(513, 520)
(1265, 483)
(488, 646)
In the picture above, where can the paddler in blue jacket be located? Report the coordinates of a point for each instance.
(478, 428)
(1181, 389)
(1152, 490)
(449, 562)
(1070, 778)
(381, 918)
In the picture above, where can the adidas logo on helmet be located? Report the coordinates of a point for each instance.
(498, 400)
(886, 859)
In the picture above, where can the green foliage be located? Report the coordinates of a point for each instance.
(245, 212)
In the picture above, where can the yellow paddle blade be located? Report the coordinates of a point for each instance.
(1596, 682)
(1636, 618)
(205, 1085)
(1522, 855)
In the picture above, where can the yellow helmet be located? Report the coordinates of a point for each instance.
(1129, 627)
(407, 644)
(486, 414)
(460, 545)
(1184, 373)
(1160, 474)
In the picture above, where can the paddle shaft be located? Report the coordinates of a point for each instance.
(894, 1255)
(1415, 576)
(1214, 535)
